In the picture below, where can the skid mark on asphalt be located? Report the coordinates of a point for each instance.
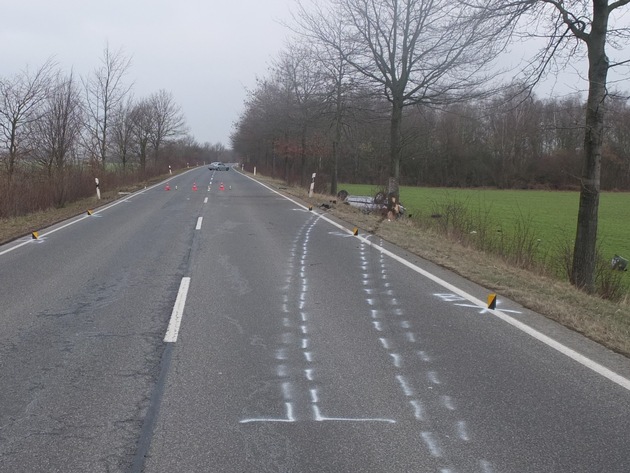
(396, 334)
(296, 359)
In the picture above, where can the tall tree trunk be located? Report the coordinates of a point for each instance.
(303, 158)
(337, 139)
(395, 146)
(584, 254)
(334, 177)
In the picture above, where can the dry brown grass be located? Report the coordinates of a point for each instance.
(603, 321)
(13, 228)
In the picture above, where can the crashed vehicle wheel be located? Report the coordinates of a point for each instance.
(341, 195)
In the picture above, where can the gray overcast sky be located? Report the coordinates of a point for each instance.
(206, 52)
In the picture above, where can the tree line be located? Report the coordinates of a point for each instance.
(508, 141)
(59, 131)
(410, 89)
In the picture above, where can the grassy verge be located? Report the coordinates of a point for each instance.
(13, 228)
(601, 320)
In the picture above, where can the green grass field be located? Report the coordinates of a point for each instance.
(550, 216)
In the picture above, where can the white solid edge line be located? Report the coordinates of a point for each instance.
(199, 222)
(178, 311)
(569, 352)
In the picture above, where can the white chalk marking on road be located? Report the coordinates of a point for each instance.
(178, 311)
(485, 310)
(418, 410)
(314, 396)
(205, 201)
(541, 337)
(432, 375)
(385, 343)
(199, 221)
(289, 410)
(448, 403)
(434, 448)
(320, 418)
(424, 357)
(397, 359)
(410, 337)
(286, 391)
(462, 431)
(404, 384)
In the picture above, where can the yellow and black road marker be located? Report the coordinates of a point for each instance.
(492, 301)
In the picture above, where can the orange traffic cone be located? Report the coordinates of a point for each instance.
(168, 187)
(194, 186)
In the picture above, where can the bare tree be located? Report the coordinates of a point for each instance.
(57, 131)
(298, 71)
(217, 151)
(21, 99)
(413, 51)
(143, 126)
(335, 71)
(572, 25)
(168, 120)
(123, 132)
(263, 122)
(105, 92)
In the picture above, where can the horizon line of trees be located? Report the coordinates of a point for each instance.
(59, 131)
(511, 140)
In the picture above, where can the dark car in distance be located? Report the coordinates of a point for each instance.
(218, 167)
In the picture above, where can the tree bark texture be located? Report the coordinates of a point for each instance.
(584, 254)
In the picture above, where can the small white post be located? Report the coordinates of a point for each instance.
(98, 190)
(310, 192)
(169, 169)
(254, 170)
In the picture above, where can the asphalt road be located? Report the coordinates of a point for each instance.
(230, 329)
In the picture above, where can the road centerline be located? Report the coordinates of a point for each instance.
(178, 311)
